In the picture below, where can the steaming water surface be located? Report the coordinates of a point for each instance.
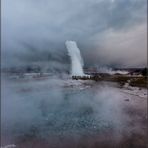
(59, 108)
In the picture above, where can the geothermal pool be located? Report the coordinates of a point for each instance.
(62, 113)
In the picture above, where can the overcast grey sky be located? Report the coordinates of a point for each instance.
(108, 32)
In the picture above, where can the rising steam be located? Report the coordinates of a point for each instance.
(76, 59)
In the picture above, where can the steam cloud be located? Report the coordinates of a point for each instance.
(58, 112)
(35, 32)
(111, 71)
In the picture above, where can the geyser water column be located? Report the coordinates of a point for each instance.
(76, 59)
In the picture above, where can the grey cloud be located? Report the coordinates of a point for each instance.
(35, 31)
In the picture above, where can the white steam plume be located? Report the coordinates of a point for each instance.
(111, 71)
(76, 59)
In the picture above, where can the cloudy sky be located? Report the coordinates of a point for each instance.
(108, 32)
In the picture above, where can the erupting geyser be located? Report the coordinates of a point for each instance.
(76, 59)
